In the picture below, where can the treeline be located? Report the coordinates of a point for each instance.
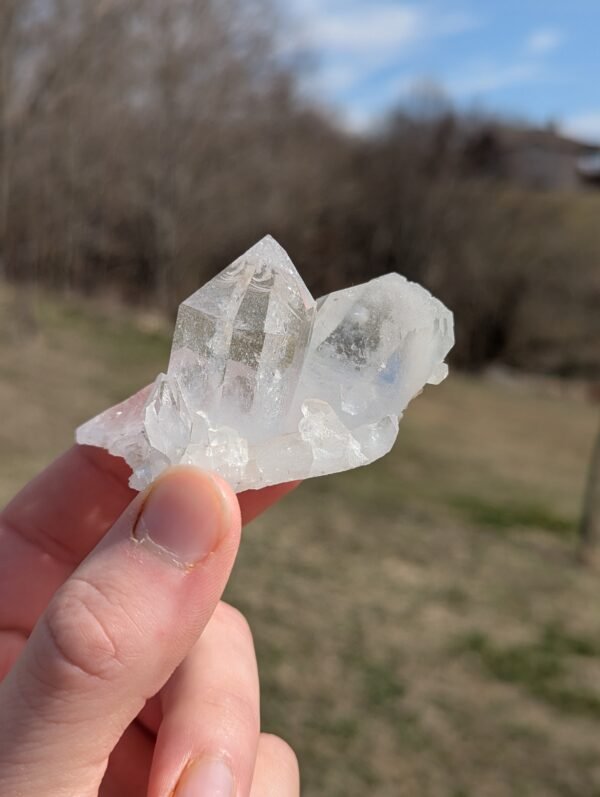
(146, 143)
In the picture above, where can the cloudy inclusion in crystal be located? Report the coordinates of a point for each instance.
(264, 385)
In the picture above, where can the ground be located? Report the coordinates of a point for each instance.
(422, 625)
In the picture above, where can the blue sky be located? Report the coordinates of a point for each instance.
(536, 59)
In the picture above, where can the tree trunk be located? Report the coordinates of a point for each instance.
(5, 134)
(590, 520)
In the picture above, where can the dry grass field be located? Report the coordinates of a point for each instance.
(422, 625)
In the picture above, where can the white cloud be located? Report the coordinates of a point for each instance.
(488, 78)
(338, 77)
(361, 29)
(356, 39)
(543, 40)
(368, 28)
(585, 126)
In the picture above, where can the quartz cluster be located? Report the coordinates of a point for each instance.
(266, 385)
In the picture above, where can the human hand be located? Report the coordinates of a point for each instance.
(121, 672)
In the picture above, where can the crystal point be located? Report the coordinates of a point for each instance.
(240, 341)
(265, 385)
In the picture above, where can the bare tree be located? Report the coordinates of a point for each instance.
(143, 143)
(11, 13)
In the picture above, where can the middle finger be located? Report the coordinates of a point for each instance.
(211, 715)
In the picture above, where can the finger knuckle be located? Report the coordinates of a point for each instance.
(235, 710)
(81, 627)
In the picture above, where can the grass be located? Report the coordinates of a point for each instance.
(421, 625)
(541, 667)
(512, 515)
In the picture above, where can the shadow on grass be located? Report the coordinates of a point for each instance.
(511, 514)
(541, 667)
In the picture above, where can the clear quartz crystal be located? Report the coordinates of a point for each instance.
(240, 341)
(265, 386)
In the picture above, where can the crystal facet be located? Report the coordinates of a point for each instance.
(265, 385)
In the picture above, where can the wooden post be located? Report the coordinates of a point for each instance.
(590, 518)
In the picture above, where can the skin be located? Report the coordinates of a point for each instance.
(122, 674)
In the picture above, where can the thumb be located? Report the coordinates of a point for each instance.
(114, 633)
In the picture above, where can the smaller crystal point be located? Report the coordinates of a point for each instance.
(374, 346)
(167, 420)
(266, 386)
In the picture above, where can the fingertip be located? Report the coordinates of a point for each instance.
(188, 513)
(277, 773)
(230, 500)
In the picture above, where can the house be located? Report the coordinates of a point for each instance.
(588, 168)
(535, 158)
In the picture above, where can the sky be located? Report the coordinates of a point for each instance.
(532, 59)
